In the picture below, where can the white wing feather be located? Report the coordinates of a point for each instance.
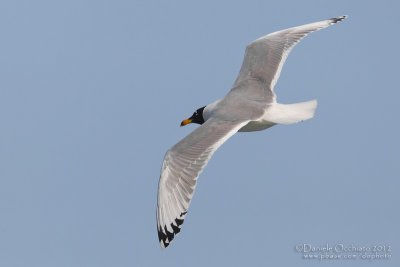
(265, 57)
(181, 167)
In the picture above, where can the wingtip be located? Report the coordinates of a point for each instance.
(164, 236)
(338, 19)
(163, 245)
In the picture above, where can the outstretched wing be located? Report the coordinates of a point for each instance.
(265, 57)
(181, 167)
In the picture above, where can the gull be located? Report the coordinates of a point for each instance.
(249, 106)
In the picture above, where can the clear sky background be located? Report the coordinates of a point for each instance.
(91, 97)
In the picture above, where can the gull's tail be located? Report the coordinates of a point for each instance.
(291, 113)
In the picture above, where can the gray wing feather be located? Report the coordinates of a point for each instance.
(181, 167)
(265, 57)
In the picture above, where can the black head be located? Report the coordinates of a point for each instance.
(197, 117)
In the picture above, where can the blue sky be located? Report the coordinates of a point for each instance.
(91, 97)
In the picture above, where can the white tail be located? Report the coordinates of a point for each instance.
(291, 113)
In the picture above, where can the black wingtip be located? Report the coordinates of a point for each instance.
(338, 19)
(164, 236)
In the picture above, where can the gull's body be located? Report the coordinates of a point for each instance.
(249, 106)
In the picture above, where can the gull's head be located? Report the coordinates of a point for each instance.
(197, 117)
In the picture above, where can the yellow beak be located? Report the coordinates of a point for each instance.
(186, 122)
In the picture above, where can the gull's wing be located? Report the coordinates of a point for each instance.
(265, 57)
(181, 167)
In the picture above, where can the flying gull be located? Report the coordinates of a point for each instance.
(249, 106)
